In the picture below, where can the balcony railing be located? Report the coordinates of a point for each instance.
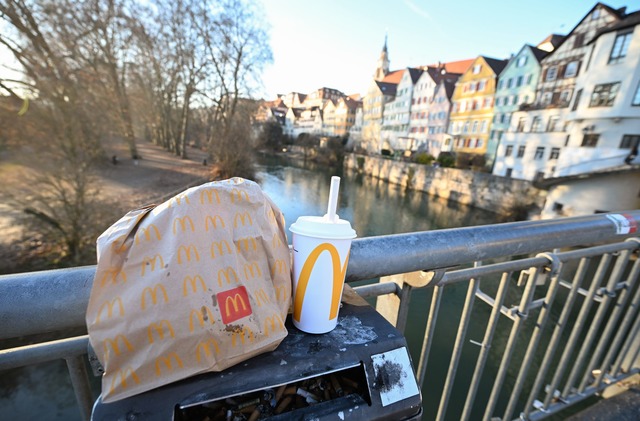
(573, 282)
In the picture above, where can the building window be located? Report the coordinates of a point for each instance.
(529, 78)
(536, 123)
(590, 140)
(630, 141)
(509, 172)
(465, 128)
(539, 153)
(546, 98)
(604, 94)
(576, 100)
(555, 153)
(474, 127)
(521, 61)
(636, 97)
(578, 40)
(553, 123)
(519, 80)
(509, 150)
(552, 72)
(565, 96)
(521, 123)
(510, 82)
(620, 47)
(521, 149)
(481, 85)
(572, 69)
(476, 69)
(483, 126)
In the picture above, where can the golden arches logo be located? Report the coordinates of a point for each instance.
(274, 322)
(159, 329)
(153, 293)
(208, 193)
(172, 356)
(110, 345)
(202, 315)
(183, 224)
(251, 270)
(220, 246)
(278, 267)
(228, 273)
(193, 281)
(110, 305)
(305, 274)
(277, 241)
(178, 200)
(241, 335)
(261, 297)
(146, 233)
(114, 274)
(243, 218)
(239, 194)
(187, 253)
(203, 349)
(246, 243)
(281, 292)
(151, 262)
(213, 221)
(123, 375)
(119, 245)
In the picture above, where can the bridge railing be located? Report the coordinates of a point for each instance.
(571, 329)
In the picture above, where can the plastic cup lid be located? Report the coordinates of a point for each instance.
(322, 227)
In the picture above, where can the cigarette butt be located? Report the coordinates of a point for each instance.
(336, 385)
(284, 404)
(248, 409)
(309, 397)
(252, 402)
(280, 392)
(291, 390)
(349, 382)
(254, 415)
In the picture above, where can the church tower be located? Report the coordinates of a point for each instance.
(383, 63)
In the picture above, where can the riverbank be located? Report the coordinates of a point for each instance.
(504, 196)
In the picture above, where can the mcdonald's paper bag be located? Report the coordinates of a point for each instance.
(198, 283)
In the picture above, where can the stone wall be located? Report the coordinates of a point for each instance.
(486, 191)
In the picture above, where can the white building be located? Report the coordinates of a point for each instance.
(396, 115)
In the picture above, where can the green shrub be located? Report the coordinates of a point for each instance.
(424, 158)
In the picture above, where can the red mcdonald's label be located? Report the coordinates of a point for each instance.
(234, 304)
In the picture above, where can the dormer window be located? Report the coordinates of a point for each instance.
(620, 46)
(476, 69)
(552, 72)
(521, 61)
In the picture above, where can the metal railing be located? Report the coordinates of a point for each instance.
(574, 319)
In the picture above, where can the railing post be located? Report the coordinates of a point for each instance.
(81, 387)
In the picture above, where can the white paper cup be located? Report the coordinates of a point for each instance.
(320, 256)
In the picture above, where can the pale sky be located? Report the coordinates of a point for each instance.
(336, 43)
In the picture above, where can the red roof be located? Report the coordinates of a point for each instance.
(459, 66)
(393, 77)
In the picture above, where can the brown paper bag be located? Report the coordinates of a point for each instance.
(198, 283)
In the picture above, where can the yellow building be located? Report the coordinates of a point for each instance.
(472, 109)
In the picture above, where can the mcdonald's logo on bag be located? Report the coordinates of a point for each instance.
(177, 199)
(119, 245)
(228, 272)
(243, 218)
(220, 246)
(146, 233)
(278, 267)
(214, 221)
(187, 253)
(241, 335)
(281, 292)
(159, 329)
(183, 224)
(277, 241)
(305, 274)
(274, 322)
(251, 269)
(261, 297)
(172, 356)
(193, 281)
(123, 375)
(109, 305)
(151, 262)
(234, 304)
(208, 193)
(111, 346)
(239, 194)
(202, 315)
(204, 349)
(153, 293)
(114, 274)
(246, 242)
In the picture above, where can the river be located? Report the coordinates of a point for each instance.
(374, 208)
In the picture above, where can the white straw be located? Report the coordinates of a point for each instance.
(333, 198)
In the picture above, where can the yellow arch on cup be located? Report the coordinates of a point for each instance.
(305, 274)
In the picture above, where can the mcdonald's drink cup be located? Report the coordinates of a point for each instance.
(321, 247)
